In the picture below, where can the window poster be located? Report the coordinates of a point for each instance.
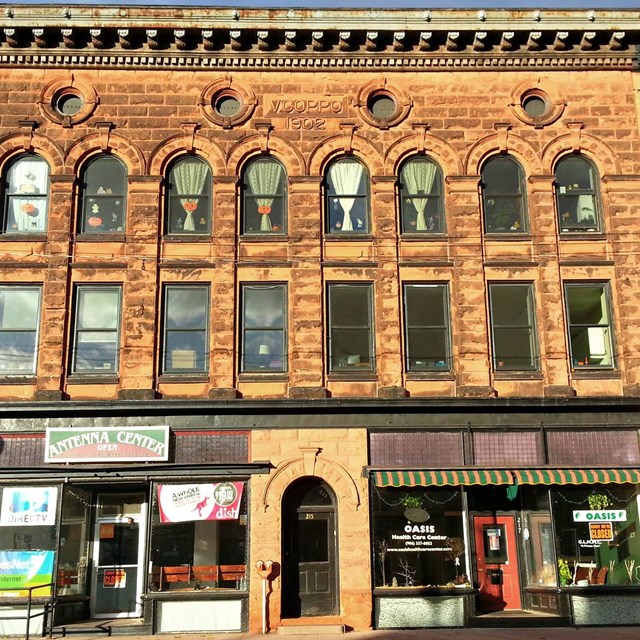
(20, 570)
(28, 506)
(188, 502)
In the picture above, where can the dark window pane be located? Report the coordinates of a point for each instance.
(577, 196)
(502, 185)
(103, 196)
(315, 537)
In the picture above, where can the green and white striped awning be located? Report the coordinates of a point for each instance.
(576, 476)
(440, 478)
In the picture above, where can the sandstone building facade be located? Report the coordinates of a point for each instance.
(343, 301)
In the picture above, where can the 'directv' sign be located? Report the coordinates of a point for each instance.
(108, 443)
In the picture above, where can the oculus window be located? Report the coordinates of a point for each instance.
(96, 330)
(421, 197)
(26, 195)
(350, 328)
(347, 197)
(502, 183)
(189, 197)
(263, 345)
(590, 327)
(264, 201)
(577, 196)
(513, 331)
(19, 321)
(104, 187)
(427, 327)
(186, 334)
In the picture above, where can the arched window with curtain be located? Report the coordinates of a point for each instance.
(421, 197)
(577, 197)
(103, 196)
(26, 195)
(264, 189)
(189, 197)
(503, 193)
(347, 197)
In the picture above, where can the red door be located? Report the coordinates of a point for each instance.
(497, 563)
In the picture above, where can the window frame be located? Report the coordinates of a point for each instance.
(167, 288)
(171, 195)
(489, 203)
(609, 344)
(565, 227)
(335, 215)
(262, 366)
(439, 365)
(9, 196)
(14, 330)
(368, 326)
(437, 193)
(247, 197)
(530, 327)
(80, 290)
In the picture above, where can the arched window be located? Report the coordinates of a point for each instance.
(26, 195)
(421, 197)
(347, 197)
(577, 196)
(103, 194)
(503, 196)
(189, 197)
(264, 189)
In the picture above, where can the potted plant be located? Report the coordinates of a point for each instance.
(598, 501)
(564, 573)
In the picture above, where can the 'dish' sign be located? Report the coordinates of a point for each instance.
(112, 443)
(615, 515)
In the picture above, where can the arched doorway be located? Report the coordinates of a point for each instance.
(309, 550)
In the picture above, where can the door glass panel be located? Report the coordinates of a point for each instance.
(314, 540)
(118, 544)
(118, 504)
(495, 543)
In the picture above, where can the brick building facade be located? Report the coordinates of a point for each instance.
(363, 280)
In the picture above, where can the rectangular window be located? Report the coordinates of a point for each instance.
(186, 323)
(589, 320)
(97, 327)
(427, 327)
(263, 347)
(19, 321)
(513, 327)
(350, 328)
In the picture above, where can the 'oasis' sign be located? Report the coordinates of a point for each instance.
(614, 515)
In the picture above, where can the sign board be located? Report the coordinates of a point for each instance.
(114, 579)
(20, 570)
(418, 537)
(28, 506)
(112, 444)
(188, 502)
(601, 531)
(615, 515)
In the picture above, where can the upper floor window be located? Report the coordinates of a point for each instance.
(95, 341)
(189, 197)
(104, 187)
(26, 195)
(264, 197)
(186, 329)
(351, 345)
(503, 190)
(347, 197)
(421, 197)
(513, 331)
(577, 196)
(590, 327)
(263, 345)
(19, 321)
(427, 327)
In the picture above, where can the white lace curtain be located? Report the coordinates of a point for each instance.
(264, 177)
(28, 187)
(345, 177)
(191, 177)
(419, 176)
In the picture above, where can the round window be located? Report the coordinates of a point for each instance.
(382, 107)
(534, 106)
(68, 104)
(227, 105)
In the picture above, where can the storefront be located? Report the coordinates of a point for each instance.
(460, 547)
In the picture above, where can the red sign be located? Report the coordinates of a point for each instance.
(114, 579)
(601, 531)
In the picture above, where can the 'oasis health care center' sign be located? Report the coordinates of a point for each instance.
(112, 443)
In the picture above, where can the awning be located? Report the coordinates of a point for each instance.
(440, 478)
(576, 476)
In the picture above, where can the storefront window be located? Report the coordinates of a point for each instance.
(596, 535)
(199, 537)
(418, 537)
(72, 558)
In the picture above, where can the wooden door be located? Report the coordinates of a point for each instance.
(497, 563)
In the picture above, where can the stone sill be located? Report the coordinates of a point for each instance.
(430, 375)
(17, 379)
(93, 378)
(101, 237)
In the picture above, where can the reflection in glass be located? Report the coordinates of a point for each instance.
(503, 196)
